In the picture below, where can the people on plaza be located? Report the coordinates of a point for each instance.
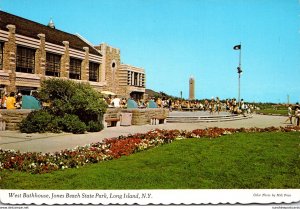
(297, 115)
(3, 101)
(11, 101)
(124, 103)
(234, 106)
(215, 104)
(159, 102)
(19, 101)
(212, 106)
(206, 105)
(170, 104)
(218, 105)
(116, 101)
(290, 115)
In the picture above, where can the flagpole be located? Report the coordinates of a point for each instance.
(239, 72)
(239, 68)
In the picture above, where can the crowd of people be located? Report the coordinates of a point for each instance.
(213, 105)
(11, 101)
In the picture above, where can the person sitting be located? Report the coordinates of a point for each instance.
(11, 101)
(19, 101)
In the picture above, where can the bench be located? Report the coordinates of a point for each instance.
(155, 120)
(111, 120)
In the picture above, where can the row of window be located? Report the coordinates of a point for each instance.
(26, 64)
(1, 55)
(135, 79)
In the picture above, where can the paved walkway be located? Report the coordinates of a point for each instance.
(49, 142)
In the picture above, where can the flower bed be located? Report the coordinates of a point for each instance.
(109, 149)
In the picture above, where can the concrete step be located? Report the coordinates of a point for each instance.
(196, 119)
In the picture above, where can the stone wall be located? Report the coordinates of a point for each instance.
(13, 118)
(141, 116)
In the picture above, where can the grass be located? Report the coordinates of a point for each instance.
(239, 161)
(282, 112)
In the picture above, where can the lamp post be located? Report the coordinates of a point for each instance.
(239, 70)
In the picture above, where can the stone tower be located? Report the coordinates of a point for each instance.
(110, 67)
(192, 88)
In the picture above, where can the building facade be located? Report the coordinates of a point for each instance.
(31, 52)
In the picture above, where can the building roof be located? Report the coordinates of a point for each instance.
(32, 29)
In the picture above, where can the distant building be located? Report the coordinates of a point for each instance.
(31, 52)
(191, 88)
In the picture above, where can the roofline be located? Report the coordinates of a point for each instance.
(36, 22)
(87, 42)
(55, 29)
(131, 66)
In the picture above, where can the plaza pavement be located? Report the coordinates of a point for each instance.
(49, 142)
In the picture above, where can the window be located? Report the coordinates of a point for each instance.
(1, 56)
(75, 69)
(94, 72)
(135, 79)
(53, 65)
(25, 60)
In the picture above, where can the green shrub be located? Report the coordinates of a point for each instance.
(42, 121)
(72, 123)
(94, 126)
(36, 121)
(72, 107)
(55, 126)
(69, 97)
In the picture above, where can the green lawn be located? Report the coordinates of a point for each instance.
(244, 160)
(282, 112)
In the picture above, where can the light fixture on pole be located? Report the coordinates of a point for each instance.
(239, 70)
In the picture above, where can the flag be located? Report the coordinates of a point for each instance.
(237, 47)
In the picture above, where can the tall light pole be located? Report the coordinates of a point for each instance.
(239, 70)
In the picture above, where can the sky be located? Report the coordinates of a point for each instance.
(176, 39)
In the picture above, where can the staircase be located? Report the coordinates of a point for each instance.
(197, 118)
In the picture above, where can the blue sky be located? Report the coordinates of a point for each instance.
(174, 39)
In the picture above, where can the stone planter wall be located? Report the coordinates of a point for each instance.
(141, 116)
(13, 118)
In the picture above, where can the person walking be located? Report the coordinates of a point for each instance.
(170, 104)
(212, 106)
(218, 105)
(290, 116)
(297, 115)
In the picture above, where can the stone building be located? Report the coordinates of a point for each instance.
(31, 52)
(121, 78)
